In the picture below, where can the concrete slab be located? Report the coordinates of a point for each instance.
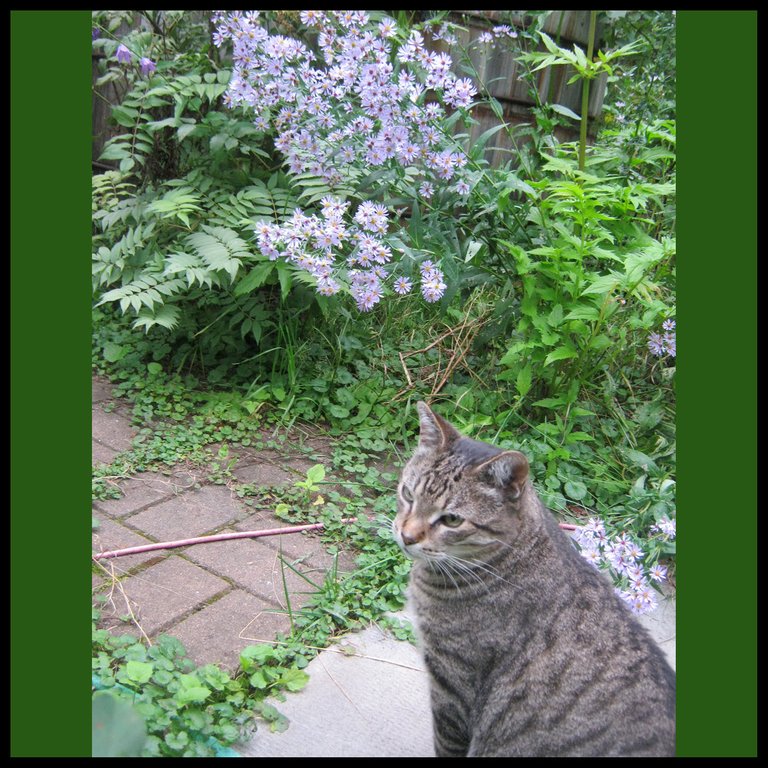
(366, 697)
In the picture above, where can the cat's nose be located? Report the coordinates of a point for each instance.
(408, 538)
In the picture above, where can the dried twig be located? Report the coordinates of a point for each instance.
(215, 537)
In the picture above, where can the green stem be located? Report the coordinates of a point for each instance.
(585, 92)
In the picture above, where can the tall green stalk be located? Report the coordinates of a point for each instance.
(585, 92)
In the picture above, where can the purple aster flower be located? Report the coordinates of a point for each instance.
(658, 572)
(147, 66)
(670, 343)
(432, 285)
(123, 55)
(426, 190)
(388, 27)
(668, 325)
(462, 188)
(402, 285)
(592, 555)
(656, 344)
(668, 527)
(95, 33)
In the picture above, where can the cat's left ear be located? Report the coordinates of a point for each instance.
(508, 470)
(436, 432)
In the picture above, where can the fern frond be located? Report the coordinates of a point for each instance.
(166, 316)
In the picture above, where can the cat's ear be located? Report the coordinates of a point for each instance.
(508, 470)
(435, 432)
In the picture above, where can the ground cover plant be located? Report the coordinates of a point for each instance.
(296, 228)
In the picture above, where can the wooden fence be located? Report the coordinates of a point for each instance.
(495, 66)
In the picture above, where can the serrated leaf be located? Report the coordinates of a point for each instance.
(550, 402)
(524, 379)
(561, 353)
(602, 284)
(255, 278)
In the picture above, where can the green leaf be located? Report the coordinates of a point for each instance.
(640, 459)
(583, 313)
(575, 490)
(258, 680)
(139, 671)
(285, 278)
(561, 110)
(316, 474)
(550, 402)
(602, 284)
(561, 353)
(177, 740)
(524, 378)
(294, 679)
(578, 436)
(255, 278)
(555, 317)
(114, 352)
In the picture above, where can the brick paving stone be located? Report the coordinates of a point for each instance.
(164, 593)
(304, 547)
(101, 454)
(218, 632)
(194, 513)
(264, 472)
(111, 535)
(146, 488)
(101, 389)
(254, 566)
(113, 429)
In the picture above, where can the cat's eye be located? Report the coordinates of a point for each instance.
(406, 493)
(452, 521)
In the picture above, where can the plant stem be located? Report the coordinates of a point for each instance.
(585, 92)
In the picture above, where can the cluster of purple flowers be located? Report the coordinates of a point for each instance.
(624, 557)
(662, 344)
(345, 112)
(352, 110)
(316, 243)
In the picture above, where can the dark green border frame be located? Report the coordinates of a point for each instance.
(716, 378)
(50, 383)
(717, 383)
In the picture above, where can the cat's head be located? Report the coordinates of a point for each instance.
(457, 497)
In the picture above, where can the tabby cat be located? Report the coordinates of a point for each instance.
(530, 651)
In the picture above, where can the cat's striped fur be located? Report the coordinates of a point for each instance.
(529, 650)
